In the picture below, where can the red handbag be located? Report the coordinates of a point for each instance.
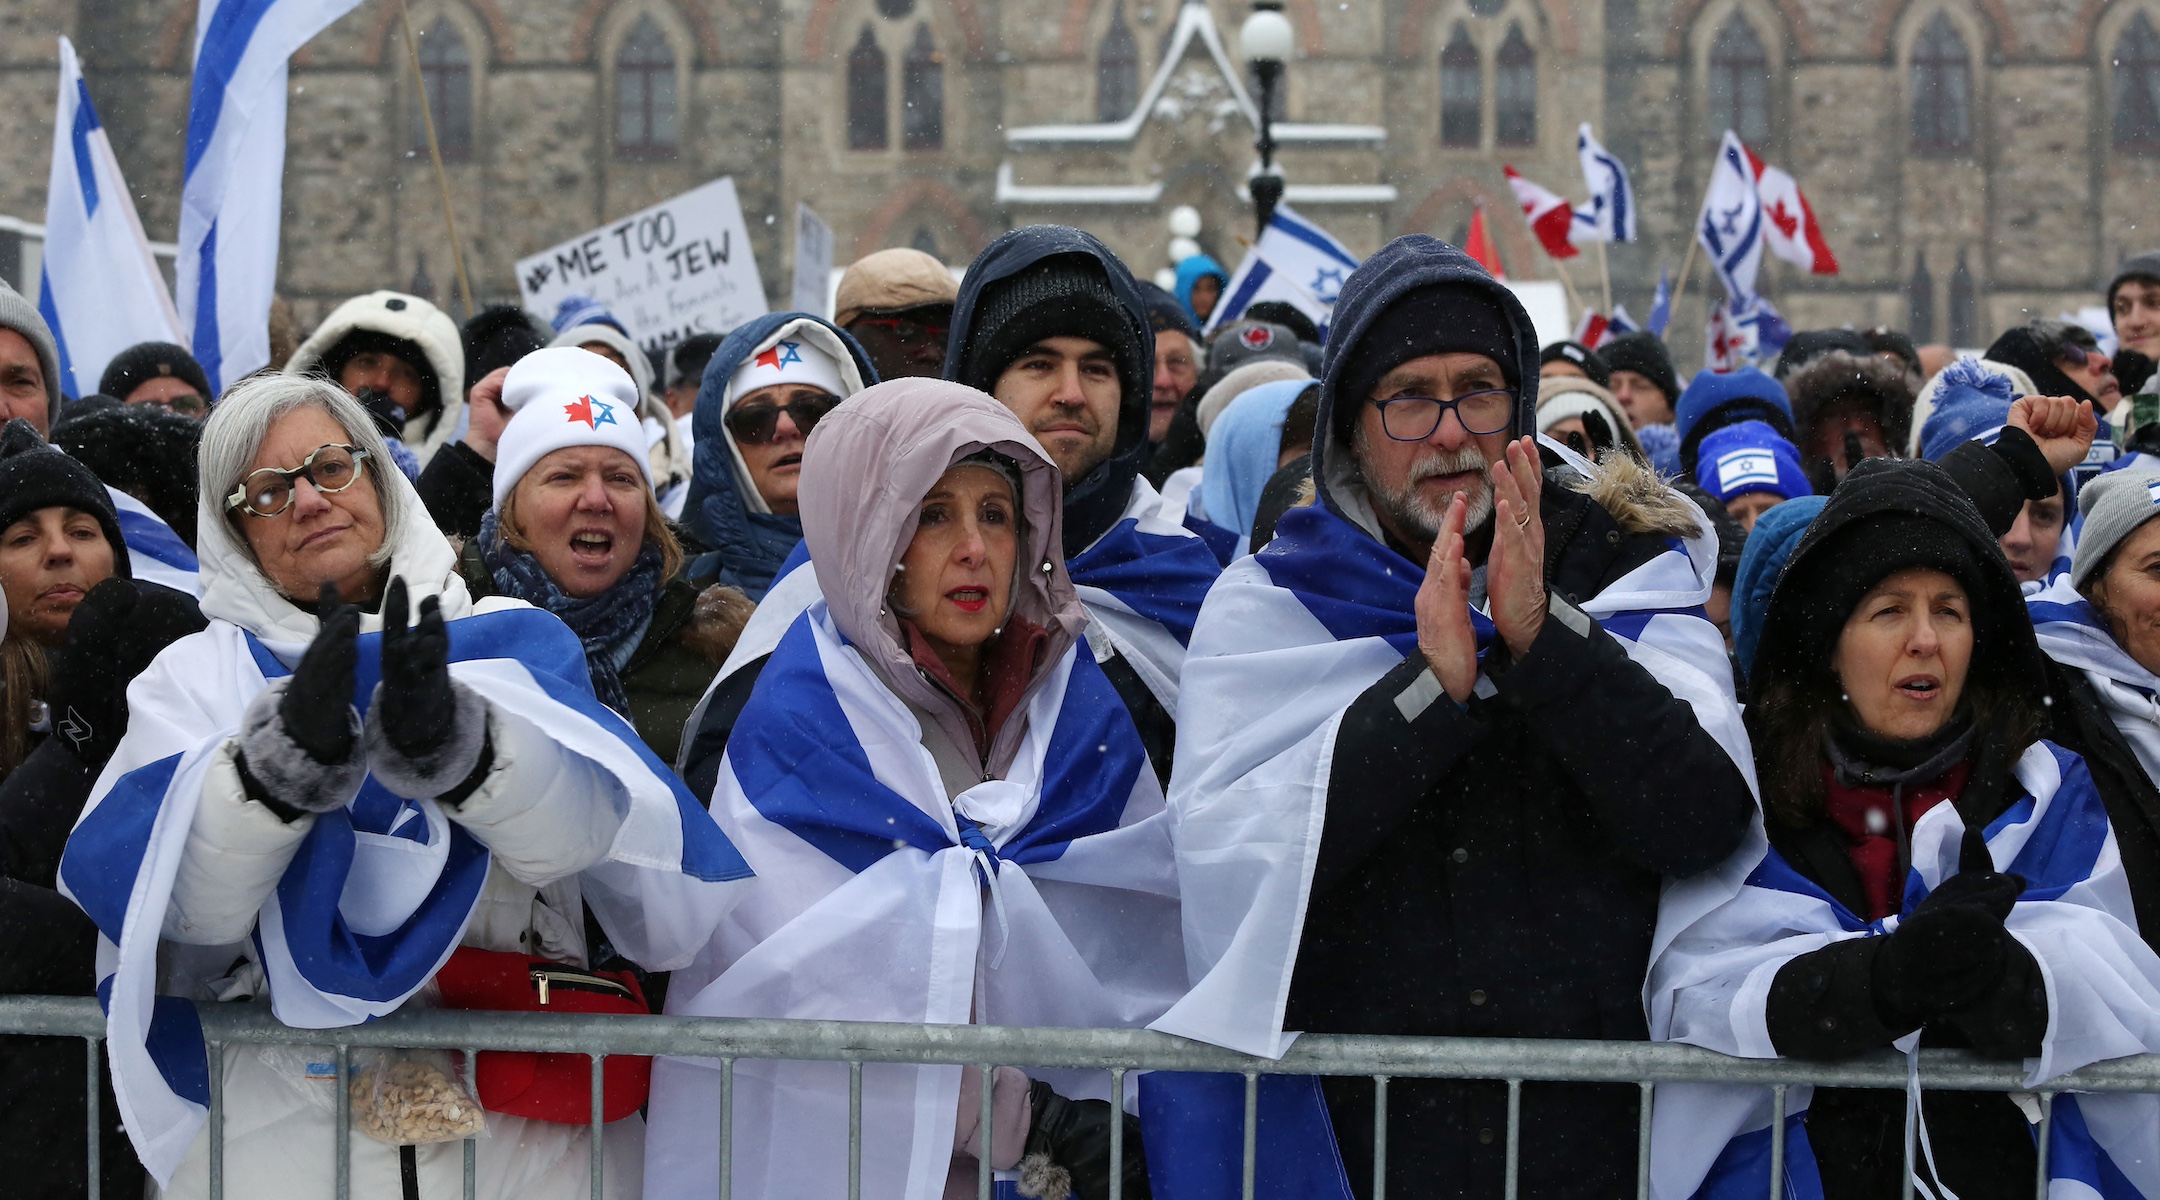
(547, 1086)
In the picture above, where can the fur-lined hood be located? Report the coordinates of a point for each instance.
(1880, 384)
(398, 315)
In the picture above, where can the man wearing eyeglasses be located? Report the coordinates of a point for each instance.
(1443, 738)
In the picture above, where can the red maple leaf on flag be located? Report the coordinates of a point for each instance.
(1787, 221)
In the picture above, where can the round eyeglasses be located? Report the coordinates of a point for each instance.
(269, 491)
(1415, 418)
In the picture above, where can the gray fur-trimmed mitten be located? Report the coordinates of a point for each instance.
(426, 734)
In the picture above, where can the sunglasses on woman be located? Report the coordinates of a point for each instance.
(269, 491)
(756, 424)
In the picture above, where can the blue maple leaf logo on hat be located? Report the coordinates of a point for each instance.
(591, 410)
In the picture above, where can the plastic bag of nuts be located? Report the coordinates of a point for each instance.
(414, 1097)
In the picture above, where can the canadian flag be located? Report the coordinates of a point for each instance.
(1551, 218)
(1788, 221)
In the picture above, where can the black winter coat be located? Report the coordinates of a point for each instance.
(48, 947)
(1493, 871)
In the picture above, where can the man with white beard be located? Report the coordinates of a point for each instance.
(1442, 739)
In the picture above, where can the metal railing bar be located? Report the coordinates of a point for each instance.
(1252, 1135)
(215, 1053)
(727, 1128)
(472, 1147)
(1642, 1141)
(343, 1138)
(1533, 1059)
(1777, 1141)
(1117, 1134)
(983, 1185)
(854, 1130)
(1514, 1138)
(92, 1168)
(2047, 1122)
(598, 1154)
(1379, 1137)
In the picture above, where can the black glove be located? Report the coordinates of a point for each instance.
(298, 738)
(115, 632)
(1953, 949)
(1075, 1135)
(389, 418)
(316, 709)
(427, 735)
(415, 704)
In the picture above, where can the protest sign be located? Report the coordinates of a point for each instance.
(681, 267)
(813, 262)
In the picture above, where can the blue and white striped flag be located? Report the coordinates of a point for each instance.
(1611, 210)
(1294, 261)
(232, 199)
(101, 292)
(1730, 226)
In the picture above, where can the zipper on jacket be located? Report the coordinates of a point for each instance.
(572, 979)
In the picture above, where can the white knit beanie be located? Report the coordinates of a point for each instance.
(562, 397)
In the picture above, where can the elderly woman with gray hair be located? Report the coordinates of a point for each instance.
(327, 807)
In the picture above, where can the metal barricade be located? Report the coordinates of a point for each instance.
(1513, 1061)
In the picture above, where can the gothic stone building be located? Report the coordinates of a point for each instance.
(1971, 160)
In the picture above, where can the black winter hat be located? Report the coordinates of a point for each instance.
(1592, 363)
(1644, 354)
(1287, 315)
(1889, 515)
(34, 476)
(1164, 313)
(1065, 295)
(1442, 318)
(2030, 349)
(497, 336)
(688, 361)
(141, 449)
(2145, 267)
(145, 361)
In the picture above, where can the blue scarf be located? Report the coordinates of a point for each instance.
(604, 624)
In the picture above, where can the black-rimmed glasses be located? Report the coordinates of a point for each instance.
(268, 491)
(1415, 418)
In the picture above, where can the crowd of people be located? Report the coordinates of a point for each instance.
(1006, 650)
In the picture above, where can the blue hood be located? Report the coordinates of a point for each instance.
(750, 545)
(1769, 546)
(1093, 504)
(1193, 270)
(1404, 265)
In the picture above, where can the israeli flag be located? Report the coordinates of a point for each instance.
(1612, 198)
(101, 291)
(1661, 304)
(155, 552)
(1730, 226)
(1744, 467)
(232, 198)
(1294, 261)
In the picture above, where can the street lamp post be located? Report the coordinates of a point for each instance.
(1267, 42)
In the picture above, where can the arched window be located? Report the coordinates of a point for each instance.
(866, 124)
(446, 72)
(1964, 306)
(2137, 87)
(1462, 92)
(1739, 74)
(1117, 70)
(1941, 75)
(925, 241)
(645, 93)
(922, 94)
(1515, 91)
(1920, 301)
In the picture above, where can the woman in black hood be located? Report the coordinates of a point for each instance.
(1898, 673)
